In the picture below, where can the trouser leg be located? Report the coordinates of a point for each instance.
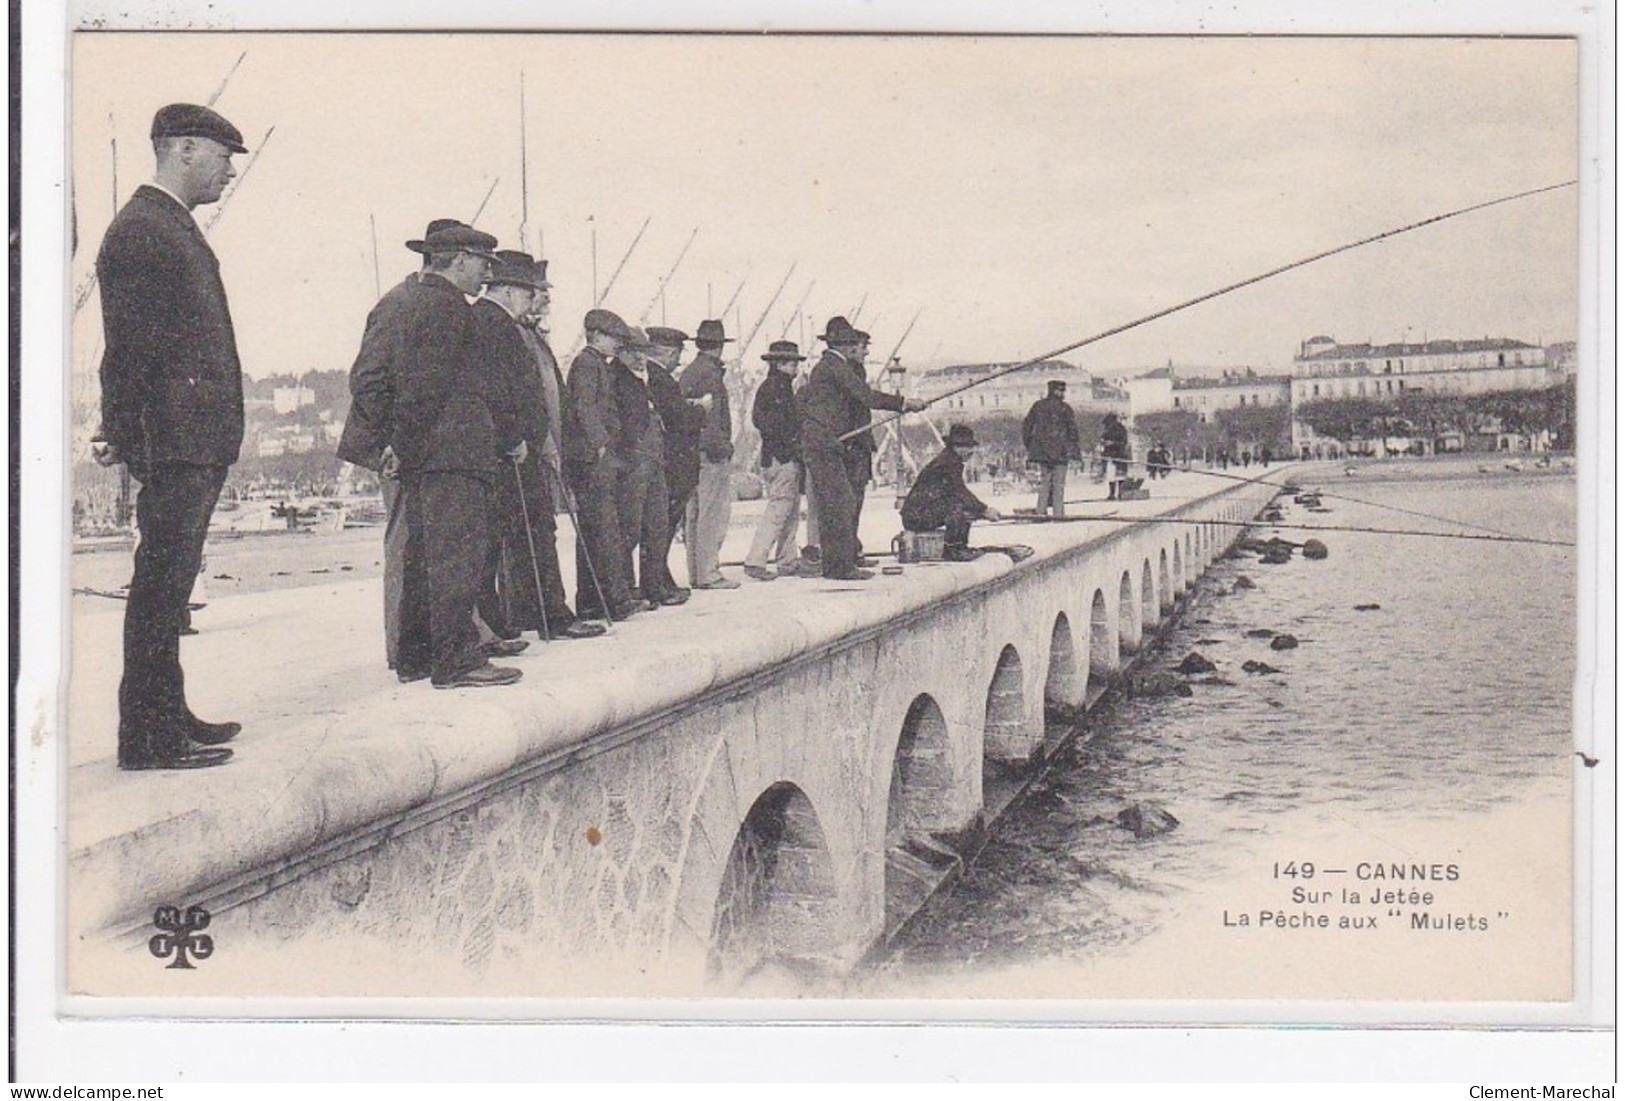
(812, 515)
(713, 504)
(172, 510)
(496, 602)
(455, 513)
(414, 647)
(779, 484)
(598, 542)
(786, 553)
(831, 485)
(544, 527)
(956, 529)
(859, 469)
(654, 538)
(631, 495)
(1058, 488)
(395, 528)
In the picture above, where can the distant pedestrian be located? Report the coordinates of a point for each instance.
(940, 498)
(712, 503)
(775, 416)
(1050, 434)
(172, 413)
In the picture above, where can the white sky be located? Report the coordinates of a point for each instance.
(1025, 192)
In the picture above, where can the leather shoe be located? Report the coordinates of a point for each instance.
(760, 573)
(961, 554)
(503, 647)
(719, 583)
(408, 677)
(866, 562)
(214, 733)
(624, 613)
(581, 628)
(850, 575)
(189, 755)
(674, 598)
(481, 676)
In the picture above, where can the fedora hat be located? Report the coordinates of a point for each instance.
(663, 337)
(450, 235)
(838, 330)
(961, 435)
(711, 332)
(540, 275)
(188, 120)
(607, 322)
(515, 269)
(781, 351)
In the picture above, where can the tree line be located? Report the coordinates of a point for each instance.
(1430, 416)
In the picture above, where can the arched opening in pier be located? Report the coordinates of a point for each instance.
(1165, 591)
(1005, 734)
(922, 779)
(1190, 559)
(1102, 654)
(1128, 630)
(1148, 597)
(775, 908)
(1062, 687)
(1180, 581)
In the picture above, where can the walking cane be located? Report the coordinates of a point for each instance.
(581, 542)
(530, 539)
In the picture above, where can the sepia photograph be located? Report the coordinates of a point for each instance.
(854, 520)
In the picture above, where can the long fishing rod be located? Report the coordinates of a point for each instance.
(524, 170)
(734, 297)
(797, 311)
(625, 256)
(898, 347)
(852, 314)
(1350, 500)
(1210, 295)
(220, 91)
(253, 159)
(644, 316)
(488, 193)
(377, 276)
(756, 328)
(1114, 519)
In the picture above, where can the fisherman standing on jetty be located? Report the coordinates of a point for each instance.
(837, 400)
(1050, 435)
(640, 479)
(775, 416)
(940, 498)
(712, 503)
(681, 423)
(590, 468)
(172, 412)
(1114, 449)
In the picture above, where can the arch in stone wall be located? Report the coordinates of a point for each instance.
(1006, 733)
(922, 775)
(1191, 564)
(1128, 627)
(1165, 590)
(1102, 642)
(776, 905)
(1180, 581)
(1064, 682)
(1149, 613)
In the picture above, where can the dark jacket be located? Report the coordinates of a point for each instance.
(682, 424)
(594, 401)
(837, 400)
(637, 428)
(172, 387)
(939, 493)
(1114, 439)
(454, 410)
(704, 376)
(776, 417)
(1050, 432)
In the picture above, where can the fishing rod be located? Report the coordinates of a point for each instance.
(524, 169)
(1470, 537)
(898, 347)
(644, 316)
(733, 297)
(221, 90)
(625, 256)
(488, 192)
(1210, 295)
(745, 345)
(377, 277)
(797, 311)
(220, 207)
(852, 314)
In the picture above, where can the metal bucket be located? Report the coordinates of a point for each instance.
(918, 546)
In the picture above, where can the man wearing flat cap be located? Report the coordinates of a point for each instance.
(1050, 435)
(172, 412)
(681, 422)
(774, 415)
(706, 524)
(601, 588)
(940, 499)
(452, 432)
(836, 401)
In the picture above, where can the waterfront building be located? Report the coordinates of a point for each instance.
(1016, 392)
(1232, 389)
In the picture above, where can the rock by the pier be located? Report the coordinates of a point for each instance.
(1195, 663)
(1155, 685)
(1209, 641)
(1146, 820)
(1216, 681)
(1367, 607)
(1260, 667)
(1315, 549)
(1284, 642)
(1260, 632)
(1245, 582)
(1276, 554)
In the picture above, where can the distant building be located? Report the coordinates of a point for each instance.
(1325, 369)
(1233, 389)
(1152, 392)
(291, 399)
(1562, 360)
(1016, 392)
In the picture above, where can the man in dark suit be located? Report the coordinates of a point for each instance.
(172, 411)
(941, 499)
(682, 421)
(1050, 434)
(454, 435)
(601, 589)
(835, 401)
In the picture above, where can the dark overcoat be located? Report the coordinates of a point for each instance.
(704, 375)
(939, 493)
(172, 386)
(837, 400)
(593, 399)
(776, 417)
(1050, 432)
(683, 424)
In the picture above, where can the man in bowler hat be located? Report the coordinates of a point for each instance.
(1050, 435)
(712, 503)
(836, 401)
(172, 412)
(940, 498)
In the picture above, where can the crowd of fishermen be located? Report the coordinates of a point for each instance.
(459, 403)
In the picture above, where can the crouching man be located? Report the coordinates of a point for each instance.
(940, 498)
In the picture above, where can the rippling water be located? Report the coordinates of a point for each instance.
(1451, 699)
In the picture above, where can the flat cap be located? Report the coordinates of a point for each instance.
(188, 120)
(661, 336)
(607, 322)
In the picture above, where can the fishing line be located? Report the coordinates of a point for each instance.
(1113, 519)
